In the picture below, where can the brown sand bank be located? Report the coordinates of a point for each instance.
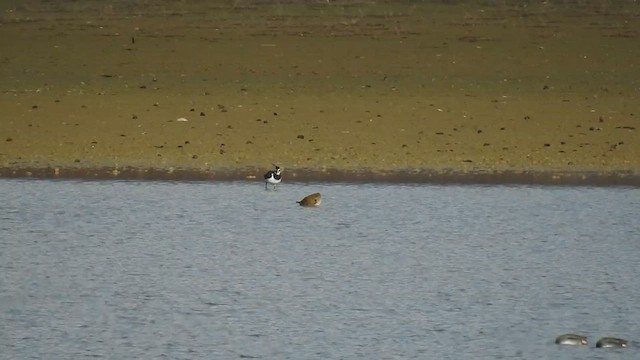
(411, 91)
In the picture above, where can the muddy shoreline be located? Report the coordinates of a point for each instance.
(586, 178)
(349, 91)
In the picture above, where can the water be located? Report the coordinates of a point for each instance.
(153, 270)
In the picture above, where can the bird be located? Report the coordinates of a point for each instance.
(611, 342)
(571, 339)
(311, 200)
(273, 177)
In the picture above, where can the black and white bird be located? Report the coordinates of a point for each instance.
(272, 177)
(571, 339)
(611, 342)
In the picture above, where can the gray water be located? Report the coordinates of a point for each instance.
(163, 270)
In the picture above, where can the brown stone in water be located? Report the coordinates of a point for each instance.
(311, 200)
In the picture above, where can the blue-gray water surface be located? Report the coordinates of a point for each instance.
(208, 270)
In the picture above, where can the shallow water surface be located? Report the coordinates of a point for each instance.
(132, 270)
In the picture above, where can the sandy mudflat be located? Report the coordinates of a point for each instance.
(338, 90)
